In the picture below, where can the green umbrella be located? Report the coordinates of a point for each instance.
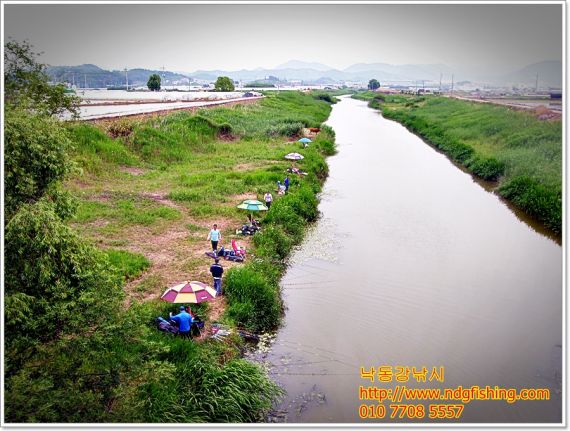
(252, 205)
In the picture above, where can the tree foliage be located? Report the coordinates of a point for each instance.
(373, 84)
(153, 83)
(35, 156)
(223, 83)
(27, 85)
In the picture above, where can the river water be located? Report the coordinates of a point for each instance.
(414, 264)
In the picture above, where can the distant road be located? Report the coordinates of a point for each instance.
(130, 109)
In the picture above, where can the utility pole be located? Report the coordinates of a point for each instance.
(452, 84)
(536, 85)
(127, 77)
(424, 87)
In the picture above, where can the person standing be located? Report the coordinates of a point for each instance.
(286, 182)
(217, 270)
(215, 235)
(268, 199)
(184, 321)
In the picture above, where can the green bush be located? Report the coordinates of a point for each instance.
(35, 156)
(254, 303)
(487, 168)
(272, 242)
(538, 200)
(325, 141)
(290, 129)
(283, 213)
(65, 278)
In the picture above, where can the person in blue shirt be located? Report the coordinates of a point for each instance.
(286, 182)
(215, 235)
(184, 321)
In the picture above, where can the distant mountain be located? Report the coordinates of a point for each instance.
(400, 72)
(317, 72)
(549, 74)
(140, 76)
(94, 77)
(296, 64)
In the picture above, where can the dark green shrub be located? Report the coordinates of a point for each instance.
(290, 129)
(487, 168)
(283, 214)
(535, 199)
(304, 203)
(66, 279)
(254, 303)
(272, 242)
(35, 155)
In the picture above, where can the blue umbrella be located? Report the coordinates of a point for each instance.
(304, 140)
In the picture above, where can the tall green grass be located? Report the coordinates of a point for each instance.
(128, 264)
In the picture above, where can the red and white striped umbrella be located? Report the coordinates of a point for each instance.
(192, 292)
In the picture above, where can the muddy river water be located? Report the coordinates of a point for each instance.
(414, 264)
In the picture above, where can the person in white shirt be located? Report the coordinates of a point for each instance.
(215, 235)
(268, 199)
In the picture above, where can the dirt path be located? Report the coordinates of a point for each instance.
(176, 254)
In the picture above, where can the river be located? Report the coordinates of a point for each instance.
(414, 264)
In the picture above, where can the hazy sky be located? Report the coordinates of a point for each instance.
(188, 37)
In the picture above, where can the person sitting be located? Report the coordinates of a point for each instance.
(184, 321)
(281, 188)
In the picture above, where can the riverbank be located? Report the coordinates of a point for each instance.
(517, 150)
(147, 192)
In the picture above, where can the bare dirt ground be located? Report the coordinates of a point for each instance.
(176, 253)
(133, 170)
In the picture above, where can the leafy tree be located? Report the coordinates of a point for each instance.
(35, 157)
(153, 83)
(223, 83)
(373, 84)
(64, 280)
(27, 85)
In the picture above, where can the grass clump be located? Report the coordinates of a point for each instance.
(535, 199)
(254, 301)
(128, 264)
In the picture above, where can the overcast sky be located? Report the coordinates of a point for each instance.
(230, 37)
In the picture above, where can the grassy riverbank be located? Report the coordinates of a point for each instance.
(147, 192)
(522, 153)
